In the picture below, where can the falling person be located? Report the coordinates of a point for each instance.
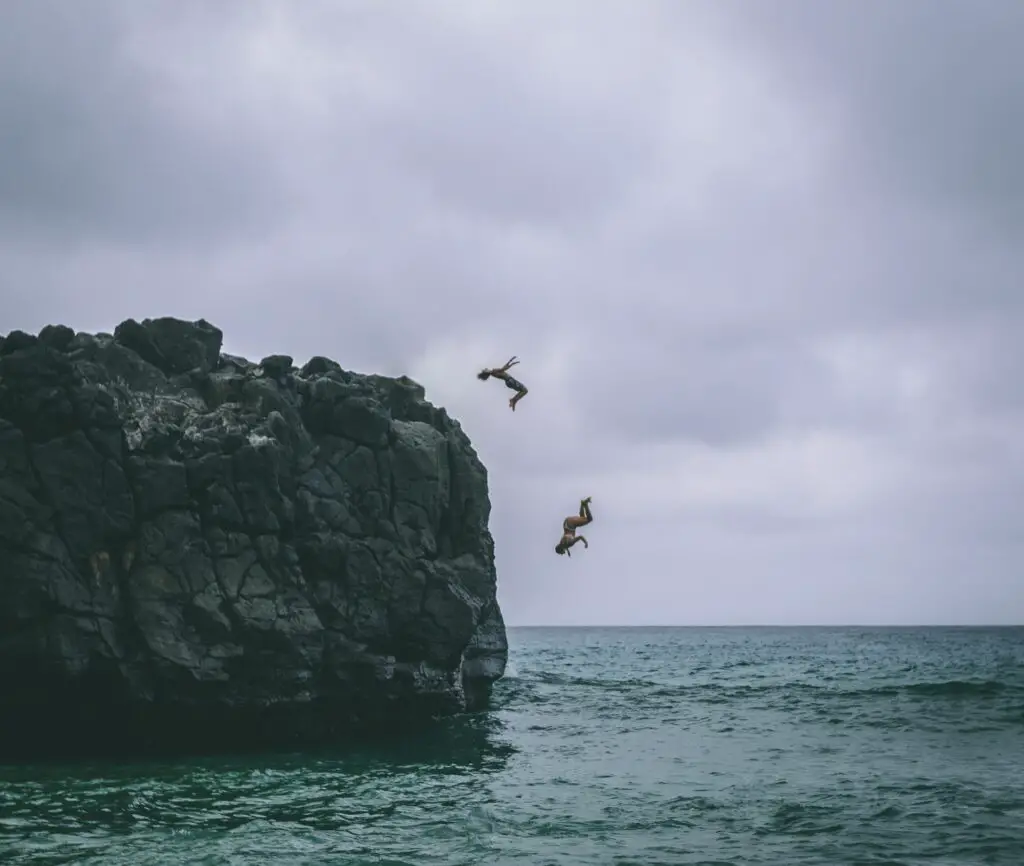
(510, 381)
(571, 524)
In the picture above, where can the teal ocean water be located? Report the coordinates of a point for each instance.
(607, 746)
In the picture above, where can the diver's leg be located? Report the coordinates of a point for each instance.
(584, 518)
(519, 396)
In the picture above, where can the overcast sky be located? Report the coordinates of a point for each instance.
(763, 264)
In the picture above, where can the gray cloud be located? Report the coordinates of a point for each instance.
(94, 151)
(761, 264)
(933, 93)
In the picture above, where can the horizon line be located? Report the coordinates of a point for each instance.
(770, 625)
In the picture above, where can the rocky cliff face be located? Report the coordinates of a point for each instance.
(200, 550)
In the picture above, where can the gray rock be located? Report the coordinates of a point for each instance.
(172, 345)
(197, 551)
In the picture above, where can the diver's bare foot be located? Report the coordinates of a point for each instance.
(512, 404)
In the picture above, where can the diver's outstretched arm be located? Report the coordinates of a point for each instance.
(511, 362)
(576, 538)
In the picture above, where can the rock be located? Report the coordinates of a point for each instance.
(276, 366)
(171, 345)
(319, 366)
(16, 340)
(199, 552)
(58, 337)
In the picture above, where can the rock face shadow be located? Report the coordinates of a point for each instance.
(197, 551)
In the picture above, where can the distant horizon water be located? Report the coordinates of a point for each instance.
(982, 625)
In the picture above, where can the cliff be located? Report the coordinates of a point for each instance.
(200, 551)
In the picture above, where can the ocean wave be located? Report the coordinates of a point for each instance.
(718, 692)
(960, 688)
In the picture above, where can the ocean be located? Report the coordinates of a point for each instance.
(779, 746)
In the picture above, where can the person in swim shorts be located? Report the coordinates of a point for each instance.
(571, 524)
(510, 381)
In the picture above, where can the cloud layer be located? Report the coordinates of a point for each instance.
(761, 266)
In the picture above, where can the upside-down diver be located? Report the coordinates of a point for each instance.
(571, 524)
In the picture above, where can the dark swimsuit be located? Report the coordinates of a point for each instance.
(514, 384)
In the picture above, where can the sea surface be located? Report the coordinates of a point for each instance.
(780, 746)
